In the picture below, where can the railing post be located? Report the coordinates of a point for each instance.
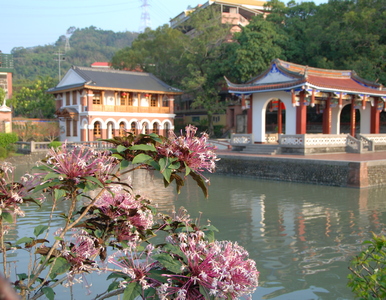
(32, 146)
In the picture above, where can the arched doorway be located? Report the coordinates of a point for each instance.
(110, 130)
(97, 130)
(145, 128)
(155, 128)
(133, 126)
(274, 120)
(345, 119)
(122, 129)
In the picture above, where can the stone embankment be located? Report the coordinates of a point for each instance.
(343, 173)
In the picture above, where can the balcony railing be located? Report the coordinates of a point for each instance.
(132, 109)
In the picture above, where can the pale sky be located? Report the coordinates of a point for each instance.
(28, 23)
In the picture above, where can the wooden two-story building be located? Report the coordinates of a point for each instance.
(98, 103)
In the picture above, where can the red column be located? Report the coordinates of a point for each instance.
(249, 115)
(301, 115)
(279, 118)
(327, 117)
(375, 117)
(352, 116)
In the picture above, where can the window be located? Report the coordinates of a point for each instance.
(132, 127)
(74, 98)
(145, 128)
(155, 128)
(195, 119)
(68, 98)
(97, 98)
(165, 101)
(216, 119)
(122, 129)
(130, 99)
(167, 128)
(97, 130)
(154, 102)
(74, 128)
(68, 127)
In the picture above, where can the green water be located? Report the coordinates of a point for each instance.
(301, 236)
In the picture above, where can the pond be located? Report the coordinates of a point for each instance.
(301, 236)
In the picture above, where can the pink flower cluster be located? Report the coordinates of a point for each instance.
(80, 162)
(12, 192)
(118, 204)
(189, 149)
(81, 251)
(221, 267)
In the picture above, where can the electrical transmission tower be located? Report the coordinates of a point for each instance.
(145, 17)
(60, 58)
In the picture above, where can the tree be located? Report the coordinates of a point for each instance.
(33, 101)
(2, 95)
(158, 51)
(204, 52)
(257, 45)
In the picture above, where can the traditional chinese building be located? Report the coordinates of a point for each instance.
(99, 103)
(295, 90)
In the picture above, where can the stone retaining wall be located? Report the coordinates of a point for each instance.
(334, 173)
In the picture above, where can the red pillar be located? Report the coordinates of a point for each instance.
(352, 116)
(375, 117)
(327, 117)
(249, 116)
(279, 119)
(301, 115)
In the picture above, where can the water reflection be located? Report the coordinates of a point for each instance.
(301, 236)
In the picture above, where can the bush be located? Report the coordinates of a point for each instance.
(3, 152)
(368, 278)
(8, 138)
(55, 144)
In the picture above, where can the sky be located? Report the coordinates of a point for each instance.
(29, 23)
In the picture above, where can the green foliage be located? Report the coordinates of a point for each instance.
(88, 45)
(7, 138)
(33, 101)
(2, 95)
(368, 278)
(3, 152)
(55, 144)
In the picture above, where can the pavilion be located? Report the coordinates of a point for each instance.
(294, 89)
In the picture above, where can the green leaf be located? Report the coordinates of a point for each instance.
(58, 193)
(60, 266)
(113, 286)
(204, 291)
(22, 276)
(187, 169)
(124, 164)
(116, 275)
(132, 291)
(121, 149)
(167, 173)
(6, 216)
(40, 229)
(141, 158)
(24, 240)
(95, 180)
(46, 185)
(158, 275)
(175, 250)
(209, 235)
(53, 175)
(49, 293)
(149, 147)
(169, 262)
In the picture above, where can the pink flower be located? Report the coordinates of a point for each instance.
(130, 212)
(221, 267)
(80, 162)
(12, 193)
(190, 150)
(81, 251)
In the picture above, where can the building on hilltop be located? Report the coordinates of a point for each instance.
(99, 103)
(235, 14)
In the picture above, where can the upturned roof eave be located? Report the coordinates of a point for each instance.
(243, 89)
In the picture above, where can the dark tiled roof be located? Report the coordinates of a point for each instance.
(120, 80)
